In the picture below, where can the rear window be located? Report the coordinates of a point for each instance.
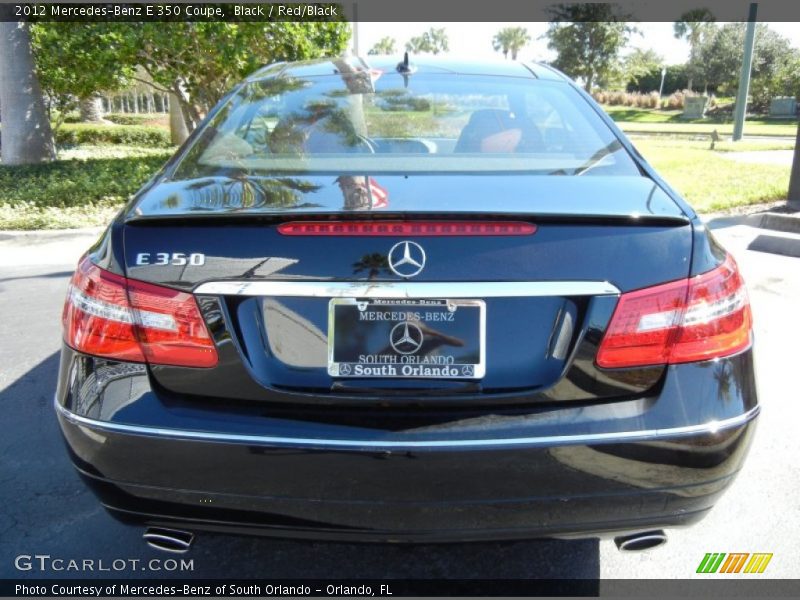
(367, 121)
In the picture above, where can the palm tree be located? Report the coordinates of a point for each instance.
(432, 41)
(386, 45)
(27, 137)
(511, 39)
(91, 109)
(694, 25)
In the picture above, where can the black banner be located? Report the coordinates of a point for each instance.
(391, 588)
(380, 10)
(202, 588)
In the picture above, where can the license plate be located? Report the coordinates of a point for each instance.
(408, 339)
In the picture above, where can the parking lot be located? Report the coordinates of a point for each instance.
(48, 511)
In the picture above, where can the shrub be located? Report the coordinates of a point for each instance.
(75, 183)
(72, 134)
(675, 101)
(619, 98)
(127, 119)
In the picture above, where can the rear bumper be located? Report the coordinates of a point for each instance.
(557, 472)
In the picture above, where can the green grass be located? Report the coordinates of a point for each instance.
(85, 188)
(709, 180)
(670, 121)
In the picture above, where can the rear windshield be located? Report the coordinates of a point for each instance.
(367, 121)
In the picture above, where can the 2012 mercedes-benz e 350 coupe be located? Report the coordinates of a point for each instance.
(394, 301)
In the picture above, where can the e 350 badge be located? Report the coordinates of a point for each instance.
(162, 259)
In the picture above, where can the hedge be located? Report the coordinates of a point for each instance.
(73, 134)
(131, 119)
(75, 192)
(76, 182)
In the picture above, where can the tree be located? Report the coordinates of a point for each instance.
(587, 38)
(432, 41)
(77, 61)
(639, 64)
(199, 62)
(775, 62)
(26, 134)
(694, 26)
(675, 80)
(511, 39)
(386, 45)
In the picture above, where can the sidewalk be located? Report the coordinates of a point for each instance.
(49, 247)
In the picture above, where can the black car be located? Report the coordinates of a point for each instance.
(412, 302)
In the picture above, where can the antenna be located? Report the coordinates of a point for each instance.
(405, 68)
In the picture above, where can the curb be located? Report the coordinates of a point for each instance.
(789, 223)
(49, 235)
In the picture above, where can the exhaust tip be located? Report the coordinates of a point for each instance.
(168, 540)
(638, 542)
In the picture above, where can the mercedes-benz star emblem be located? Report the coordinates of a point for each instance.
(406, 259)
(406, 338)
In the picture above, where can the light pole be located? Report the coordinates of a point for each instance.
(744, 80)
(354, 26)
(661, 87)
(794, 178)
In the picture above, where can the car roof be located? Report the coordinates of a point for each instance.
(421, 64)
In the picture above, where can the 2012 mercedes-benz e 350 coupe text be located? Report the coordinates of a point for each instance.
(394, 301)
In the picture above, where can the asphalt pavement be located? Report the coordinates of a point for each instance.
(47, 510)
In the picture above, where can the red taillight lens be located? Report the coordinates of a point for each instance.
(717, 320)
(407, 228)
(108, 315)
(695, 319)
(97, 316)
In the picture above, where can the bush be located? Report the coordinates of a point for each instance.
(675, 101)
(618, 98)
(72, 134)
(127, 119)
(65, 183)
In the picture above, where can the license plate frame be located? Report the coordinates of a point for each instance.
(408, 363)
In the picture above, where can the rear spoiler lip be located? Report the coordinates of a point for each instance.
(185, 218)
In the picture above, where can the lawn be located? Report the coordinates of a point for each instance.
(671, 122)
(709, 180)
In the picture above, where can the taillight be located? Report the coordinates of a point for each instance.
(406, 228)
(108, 315)
(707, 316)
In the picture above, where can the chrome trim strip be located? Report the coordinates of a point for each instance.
(377, 444)
(407, 289)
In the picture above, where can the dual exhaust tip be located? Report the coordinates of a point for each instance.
(637, 542)
(179, 542)
(168, 540)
